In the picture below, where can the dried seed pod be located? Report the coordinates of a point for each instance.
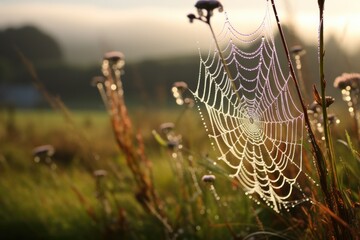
(329, 100)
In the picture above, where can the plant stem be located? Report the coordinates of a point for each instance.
(226, 68)
(338, 207)
(327, 134)
(318, 155)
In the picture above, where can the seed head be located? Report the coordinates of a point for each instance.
(348, 81)
(329, 100)
(115, 57)
(208, 178)
(333, 119)
(114, 60)
(100, 173)
(209, 5)
(191, 17)
(44, 150)
(205, 9)
(167, 127)
(180, 86)
(297, 50)
(177, 90)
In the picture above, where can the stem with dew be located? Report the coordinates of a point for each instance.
(339, 207)
(319, 157)
(327, 133)
(226, 68)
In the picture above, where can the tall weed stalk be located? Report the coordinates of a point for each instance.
(130, 142)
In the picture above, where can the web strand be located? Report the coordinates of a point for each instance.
(254, 122)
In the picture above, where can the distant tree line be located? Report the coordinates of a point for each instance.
(145, 82)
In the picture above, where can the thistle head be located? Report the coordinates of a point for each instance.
(209, 5)
(100, 173)
(113, 60)
(315, 106)
(177, 90)
(205, 9)
(298, 50)
(329, 100)
(167, 127)
(43, 152)
(208, 178)
(348, 81)
(179, 87)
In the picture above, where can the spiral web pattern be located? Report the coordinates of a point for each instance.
(251, 116)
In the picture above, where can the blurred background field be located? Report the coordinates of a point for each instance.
(62, 202)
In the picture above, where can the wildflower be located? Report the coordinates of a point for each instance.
(209, 5)
(318, 99)
(113, 60)
(167, 127)
(44, 152)
(329, 100)
(205, 6)
(115, 57)
(347, 81)
(191, 17)
(177, 90)
(315, 106)
(47, 150)
(180, 86)
(297, 50)
(173, 141)
(208, 178)
(100, 173)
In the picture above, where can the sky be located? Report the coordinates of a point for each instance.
(145, 29)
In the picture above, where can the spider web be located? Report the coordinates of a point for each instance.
(251, 116)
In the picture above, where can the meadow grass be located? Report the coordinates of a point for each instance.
(111, 179)
(43, 202)
(63, 203)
